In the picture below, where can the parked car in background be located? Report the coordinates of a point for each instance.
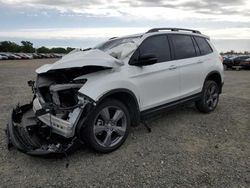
(51, 56)
(3, 57)
(237, 60)
(9, 55)
(21, 55)
(5, 54)
(29, 56)
(16, 56)
(228, 62)
(37, 56)
(245, 64)
(24, 56)
(44, 55)
(58, 55)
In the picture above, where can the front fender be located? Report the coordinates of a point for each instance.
(97, 88)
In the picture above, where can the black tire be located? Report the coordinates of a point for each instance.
(209, 98)
(99, 141)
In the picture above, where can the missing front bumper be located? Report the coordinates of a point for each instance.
(29, 135)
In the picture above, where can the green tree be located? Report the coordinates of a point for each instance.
(58, 50)
(27, 47)
(69, 49)
(7, 46)
(43, 49)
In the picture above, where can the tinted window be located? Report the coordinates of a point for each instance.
(158, 46)
(243, 57)
(203, 46)
(196, 47)
(183, 46)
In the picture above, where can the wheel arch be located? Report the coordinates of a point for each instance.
(128, 98)
(215, 76)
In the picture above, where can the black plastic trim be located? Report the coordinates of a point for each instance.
(218, 73)
(173, 29)
(123, 90)
(119, 90)
(168, 106)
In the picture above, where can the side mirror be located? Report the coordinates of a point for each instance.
(147, 59)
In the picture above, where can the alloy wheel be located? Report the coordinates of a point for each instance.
(212, 96)
(110, 126)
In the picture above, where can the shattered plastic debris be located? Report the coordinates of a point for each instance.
(27, 136)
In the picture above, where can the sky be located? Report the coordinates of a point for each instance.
(85, 23)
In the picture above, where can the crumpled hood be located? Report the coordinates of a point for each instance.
(80, 59)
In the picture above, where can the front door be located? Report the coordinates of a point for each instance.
(159, 83)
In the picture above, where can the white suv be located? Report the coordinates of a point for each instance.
(95, 95)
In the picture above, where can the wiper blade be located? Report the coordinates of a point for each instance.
(86, 49)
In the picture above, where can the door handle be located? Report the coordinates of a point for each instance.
(172, 67)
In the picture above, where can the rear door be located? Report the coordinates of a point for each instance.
(158, 83)
(191, 64)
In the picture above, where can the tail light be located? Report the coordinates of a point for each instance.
(221, 58)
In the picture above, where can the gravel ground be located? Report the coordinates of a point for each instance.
(184, 149)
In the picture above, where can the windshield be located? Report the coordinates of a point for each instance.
(119, 48)
(105, 46)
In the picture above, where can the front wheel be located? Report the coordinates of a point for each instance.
(210, 97)
(107, 127)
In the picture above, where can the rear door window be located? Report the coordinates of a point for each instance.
(203, 46)
(183, 46)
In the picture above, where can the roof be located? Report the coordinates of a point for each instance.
(165, 30)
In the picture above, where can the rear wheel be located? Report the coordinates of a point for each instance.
(107, 127)
(210, 97)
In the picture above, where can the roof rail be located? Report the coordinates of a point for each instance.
(172, 29)
(112, 38)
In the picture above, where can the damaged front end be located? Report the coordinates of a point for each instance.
(29, 135)
(51, 122)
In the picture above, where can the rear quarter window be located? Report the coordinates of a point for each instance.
(203, 45)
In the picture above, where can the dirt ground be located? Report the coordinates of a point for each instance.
(184, 149)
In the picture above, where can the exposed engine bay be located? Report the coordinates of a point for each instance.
(57, 102)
